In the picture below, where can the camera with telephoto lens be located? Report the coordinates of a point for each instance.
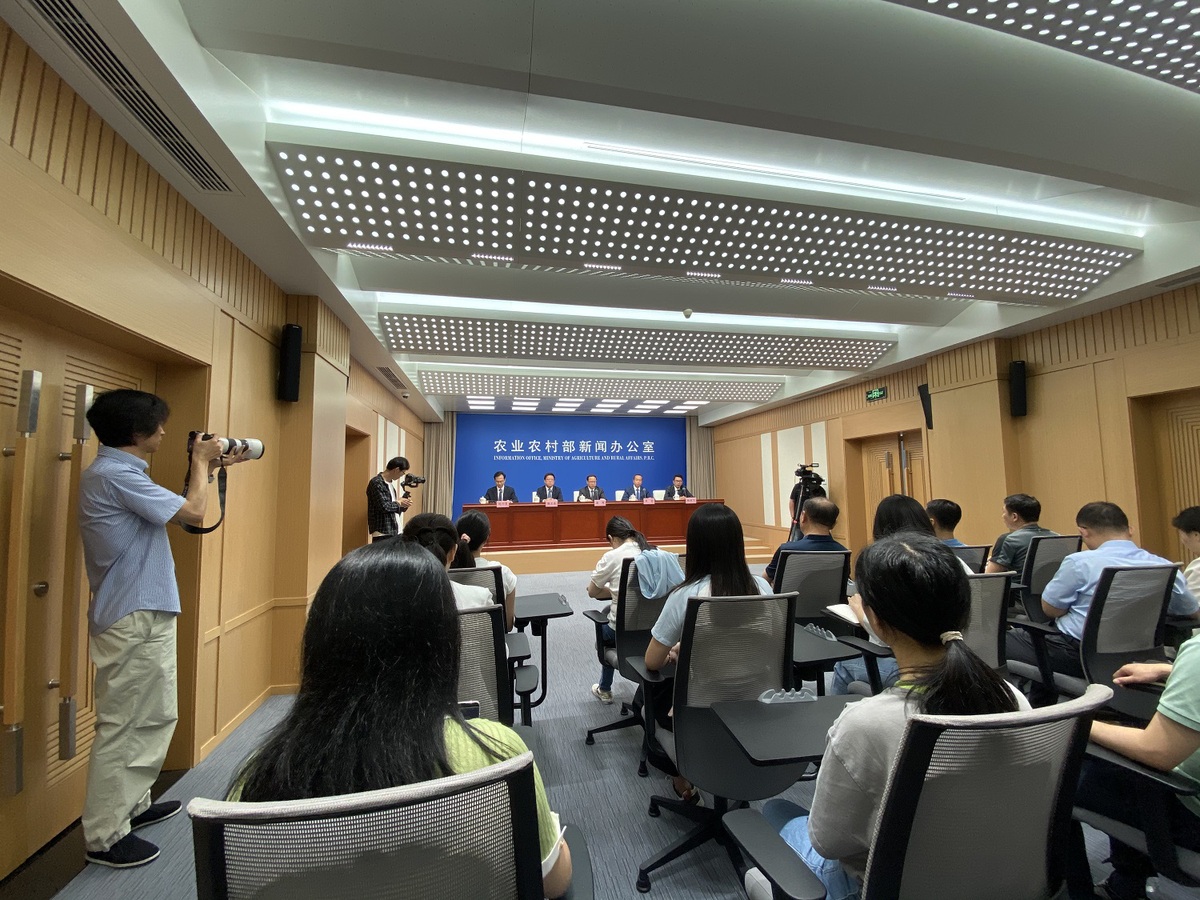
(411, 481)
(252, 447)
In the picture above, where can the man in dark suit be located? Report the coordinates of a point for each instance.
(548, 490)
(636, 491)
(818, 515)
(676, 491)
(500, 492)
(590, 492)
(384, 503)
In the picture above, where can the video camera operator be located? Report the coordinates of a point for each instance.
(809, 485)
(388, 498)
(122, 520)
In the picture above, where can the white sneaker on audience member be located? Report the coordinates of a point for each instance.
(602, 695)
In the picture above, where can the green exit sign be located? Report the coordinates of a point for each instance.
(879, 393)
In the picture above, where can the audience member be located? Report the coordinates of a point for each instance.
(590, 491)
(1020, 517)
(475, 528)
(500, 491)
(914, 594)
(676, 490)
(625, 542)
(945, 516)
(1068, 596)
(436, 534)
(716, 567)
(1170, 742)
(818, 515)
(636, 491)
(1188, 524)
(894, 513)
(549, 490)
(377, 705)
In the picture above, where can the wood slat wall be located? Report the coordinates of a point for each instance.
(44, 120)
(973, 364)
(324, 332)
(365, 387)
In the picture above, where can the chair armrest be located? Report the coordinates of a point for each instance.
(600, 617)
(517, 645)
(647, 676)
(866, 647)
(582, 886)
(1032, 627)
(1175, 783)
(782, 866)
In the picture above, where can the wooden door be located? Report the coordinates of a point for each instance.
(52, 794)
(916, 479)
(1167, 463)
(881, 463)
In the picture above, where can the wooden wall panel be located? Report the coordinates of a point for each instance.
(324, 332)
(739, 476)
(365, 387)
(975, 363)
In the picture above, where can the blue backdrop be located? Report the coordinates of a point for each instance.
(614, 449)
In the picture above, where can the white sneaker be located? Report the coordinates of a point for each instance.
(602, 695)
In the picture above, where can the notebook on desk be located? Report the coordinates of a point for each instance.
(843, 611)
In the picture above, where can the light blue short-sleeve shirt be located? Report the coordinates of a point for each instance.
(1074, 585)
(122, 520)
(669, 627)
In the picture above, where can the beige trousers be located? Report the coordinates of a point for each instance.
(136, 711)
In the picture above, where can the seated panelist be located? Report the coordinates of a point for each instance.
(636, 491)
(590, 491)
(676, 490)
(549, 490)
(501, 491)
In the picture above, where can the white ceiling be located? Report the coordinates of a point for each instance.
(1010, 153)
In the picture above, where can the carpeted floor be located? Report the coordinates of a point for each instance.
(596, 787)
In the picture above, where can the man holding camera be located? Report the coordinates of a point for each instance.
(386, 499)
(123, 516)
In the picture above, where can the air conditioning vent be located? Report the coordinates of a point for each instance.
(392, 377)
(1181, 281)
(65, 19)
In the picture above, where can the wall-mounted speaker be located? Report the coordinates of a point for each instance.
(288, 387)
(1016, 388)
(927, 405)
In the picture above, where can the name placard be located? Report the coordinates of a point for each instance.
(550, 501)
(691, 500)
(647, 501)
(599, 503)
(503, 504)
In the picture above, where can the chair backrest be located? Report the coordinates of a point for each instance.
(732, 648)
(660, 494)
(966, 791)
(989, 612)
(483, 663)
(621, 494)
(489, 577)
(575, 497)
(533, 495)
(817, 576)
(636, 613)
(974, 555)
(1046, 553)
(472, 835)
(1126, 618)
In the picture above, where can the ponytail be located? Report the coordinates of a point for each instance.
(961, 684)
(432, 531)
(463, 558)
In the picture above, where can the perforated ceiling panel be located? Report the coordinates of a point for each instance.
(1156, 38)
(396, 205)
(485, 387)
(516, 340)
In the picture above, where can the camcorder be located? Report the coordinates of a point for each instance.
(252, 447)
(809, 478)
(411, 481)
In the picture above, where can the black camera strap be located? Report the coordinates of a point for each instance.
(192, 529)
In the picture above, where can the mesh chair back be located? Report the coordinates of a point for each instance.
(989, 608)
(1128, 610)
(732, 648)
(489, 577)
(966, 791)
(483, 663)
(1046, 553)
(817, 576)
(636, 614)
(472, 835)
(974, 555)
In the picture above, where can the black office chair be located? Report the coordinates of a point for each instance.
(732, 648)
(483, 663)
(472, 835)
(636, 615)
(1125, 623)
(977, 806)
(819, 579)
(1042, 561)
(974, 555)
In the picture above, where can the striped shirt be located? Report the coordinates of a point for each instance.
(122, 519)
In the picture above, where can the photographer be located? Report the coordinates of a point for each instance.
(131, 618)
(387, 500)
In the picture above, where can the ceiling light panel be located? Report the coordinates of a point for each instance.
(389, 205)
(515, 340)
(674, 390)
(1156, 38)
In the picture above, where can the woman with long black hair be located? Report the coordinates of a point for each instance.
(913, 592)
(377, 705)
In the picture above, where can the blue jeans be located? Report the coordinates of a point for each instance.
(791, 821)
(856, 670)
(607, 672)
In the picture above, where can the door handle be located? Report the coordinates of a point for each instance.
(73, 591)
